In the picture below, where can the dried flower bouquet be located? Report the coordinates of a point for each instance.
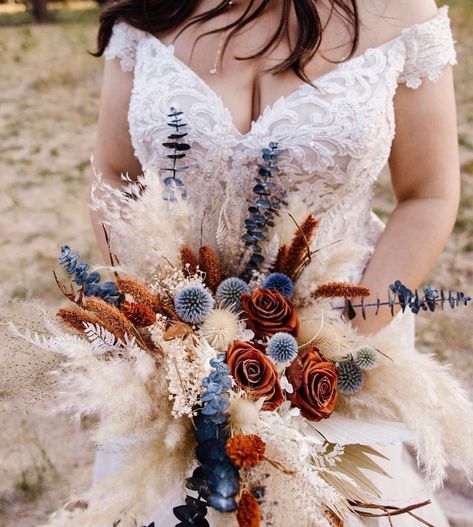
(223, 384)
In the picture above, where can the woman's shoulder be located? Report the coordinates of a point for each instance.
(408, 13)
(123, 44)
(386, 19)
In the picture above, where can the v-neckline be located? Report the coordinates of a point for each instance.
(317, 81)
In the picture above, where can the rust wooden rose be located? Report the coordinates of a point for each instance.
(269, 312)
(315, 385)
(255, 373)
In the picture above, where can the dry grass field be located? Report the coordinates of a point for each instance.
(49, 88)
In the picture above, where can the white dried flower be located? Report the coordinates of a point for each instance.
(220, 328)
(324, 335)
(169, 280)
(244, 413)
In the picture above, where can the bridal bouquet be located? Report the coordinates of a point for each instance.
(250, 389)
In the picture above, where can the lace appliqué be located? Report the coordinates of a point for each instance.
(123, 44)
(429, 49)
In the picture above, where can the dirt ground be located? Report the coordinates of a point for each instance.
(49, 88)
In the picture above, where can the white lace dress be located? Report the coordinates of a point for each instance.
(336, 140)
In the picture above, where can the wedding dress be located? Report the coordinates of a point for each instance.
(336, 140)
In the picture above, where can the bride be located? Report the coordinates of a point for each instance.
(343, 86)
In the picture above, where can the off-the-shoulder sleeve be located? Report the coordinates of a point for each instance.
(123, 44)
(430, 48)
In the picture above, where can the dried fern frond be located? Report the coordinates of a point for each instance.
(76, 318)
(140, 292)
(139, 315)
(341, 289)
(300, 246)
(188, 260)
(109, 317)
(210, 265)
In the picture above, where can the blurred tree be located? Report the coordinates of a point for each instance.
(40, 10)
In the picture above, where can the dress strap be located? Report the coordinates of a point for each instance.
(430, 48)
(123, 45)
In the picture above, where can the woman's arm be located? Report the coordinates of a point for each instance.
(113, 154)
(425, 175)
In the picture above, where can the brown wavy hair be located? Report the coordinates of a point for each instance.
(156, 16)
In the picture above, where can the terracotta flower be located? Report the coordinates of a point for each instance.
(269, 312)
(254, 372)
(249, 513)
(315, 385)
(245, 451)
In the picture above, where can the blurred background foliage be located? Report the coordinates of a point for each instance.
(49, 93)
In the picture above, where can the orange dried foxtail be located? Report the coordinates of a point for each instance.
(299, 249)
(111, 318)
(139, 315)
(249, 512)
(341, 289)
(76, 317)
(188, 260)
(140, 292)
(210, 265)
(280, 264)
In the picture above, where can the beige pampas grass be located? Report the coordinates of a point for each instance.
(161, 226)
(220, 328)
(414, 388)
(25, 363)
(154, 473)
(109, 317)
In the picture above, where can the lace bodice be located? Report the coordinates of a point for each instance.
(336, 138)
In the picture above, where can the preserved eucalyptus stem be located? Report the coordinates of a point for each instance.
(178, 152)
(263, 208)
(401, 296)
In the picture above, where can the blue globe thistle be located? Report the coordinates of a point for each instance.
(193, 304)
(366, 358)
(229, 292)
(350, 377)
(281, 282)
(282, 348)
